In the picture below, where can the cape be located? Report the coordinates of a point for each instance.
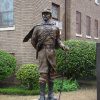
(29, 35)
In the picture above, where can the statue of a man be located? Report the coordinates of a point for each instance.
(45, 39)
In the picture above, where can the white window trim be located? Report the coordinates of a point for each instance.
(96, 1)
(8, 28)
(89, 37)
(78, 35)
(96, 38)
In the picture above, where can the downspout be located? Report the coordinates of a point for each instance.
(65, 20)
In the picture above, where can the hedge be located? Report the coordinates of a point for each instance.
(79, 61)
(7, 64)
(28, 75)
(68, 85)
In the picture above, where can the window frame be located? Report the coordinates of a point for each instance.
(8, 27)
(88, 26)
(97, 2)
(78, 24)
(58, 11)
(96, 28)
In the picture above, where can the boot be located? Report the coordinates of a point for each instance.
(42, 90)
(50, 91)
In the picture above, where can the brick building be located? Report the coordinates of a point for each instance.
(80, 20)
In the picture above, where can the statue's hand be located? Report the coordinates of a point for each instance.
(66, 48)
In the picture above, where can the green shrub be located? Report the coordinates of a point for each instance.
(80, 59)
(28, 75)
(18, 91)
(68, 85)
(7, 64)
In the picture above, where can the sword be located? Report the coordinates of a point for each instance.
(61, 86)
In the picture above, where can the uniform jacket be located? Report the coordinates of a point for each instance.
(52, 41)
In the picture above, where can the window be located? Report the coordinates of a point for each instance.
(6, 13)
(78, 22)
(55, 11)
(12, 54)
(97, 1)
(88, 26)
(96, 28)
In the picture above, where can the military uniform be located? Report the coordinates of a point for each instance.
(52, 41)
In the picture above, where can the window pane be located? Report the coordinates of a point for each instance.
(6, 13)
(78, 22)
(88, 25)
(55, 11)
(4, 18)
(6, 5)
(96, 28)
(97, 1)
(0, 19)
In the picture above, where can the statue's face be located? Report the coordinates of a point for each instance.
(46, 16)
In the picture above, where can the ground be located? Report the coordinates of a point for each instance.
(82, 94)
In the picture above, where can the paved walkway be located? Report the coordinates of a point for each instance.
(82, 94)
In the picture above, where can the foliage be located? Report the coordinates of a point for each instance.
(79, 61)
(68, 85)
(28, 75)
(18, 91)
(7, 64)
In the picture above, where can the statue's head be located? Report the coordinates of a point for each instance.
(46, 15)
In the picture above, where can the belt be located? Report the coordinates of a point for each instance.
(48, 46)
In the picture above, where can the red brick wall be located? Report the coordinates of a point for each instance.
(87, 8)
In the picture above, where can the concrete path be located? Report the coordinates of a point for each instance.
(82, 94)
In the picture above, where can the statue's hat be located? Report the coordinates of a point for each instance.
(46, 11)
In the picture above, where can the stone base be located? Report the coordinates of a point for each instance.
(35, 99)
(38, 99)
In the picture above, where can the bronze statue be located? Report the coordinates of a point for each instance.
(45, 38)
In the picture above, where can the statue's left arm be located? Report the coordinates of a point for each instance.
(59, 42)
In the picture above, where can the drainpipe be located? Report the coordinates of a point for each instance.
(65, 20)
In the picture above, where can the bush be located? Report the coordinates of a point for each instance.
(80, 59)
(68, 85)
(28, 75)
(7, 64)
(18, 91)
